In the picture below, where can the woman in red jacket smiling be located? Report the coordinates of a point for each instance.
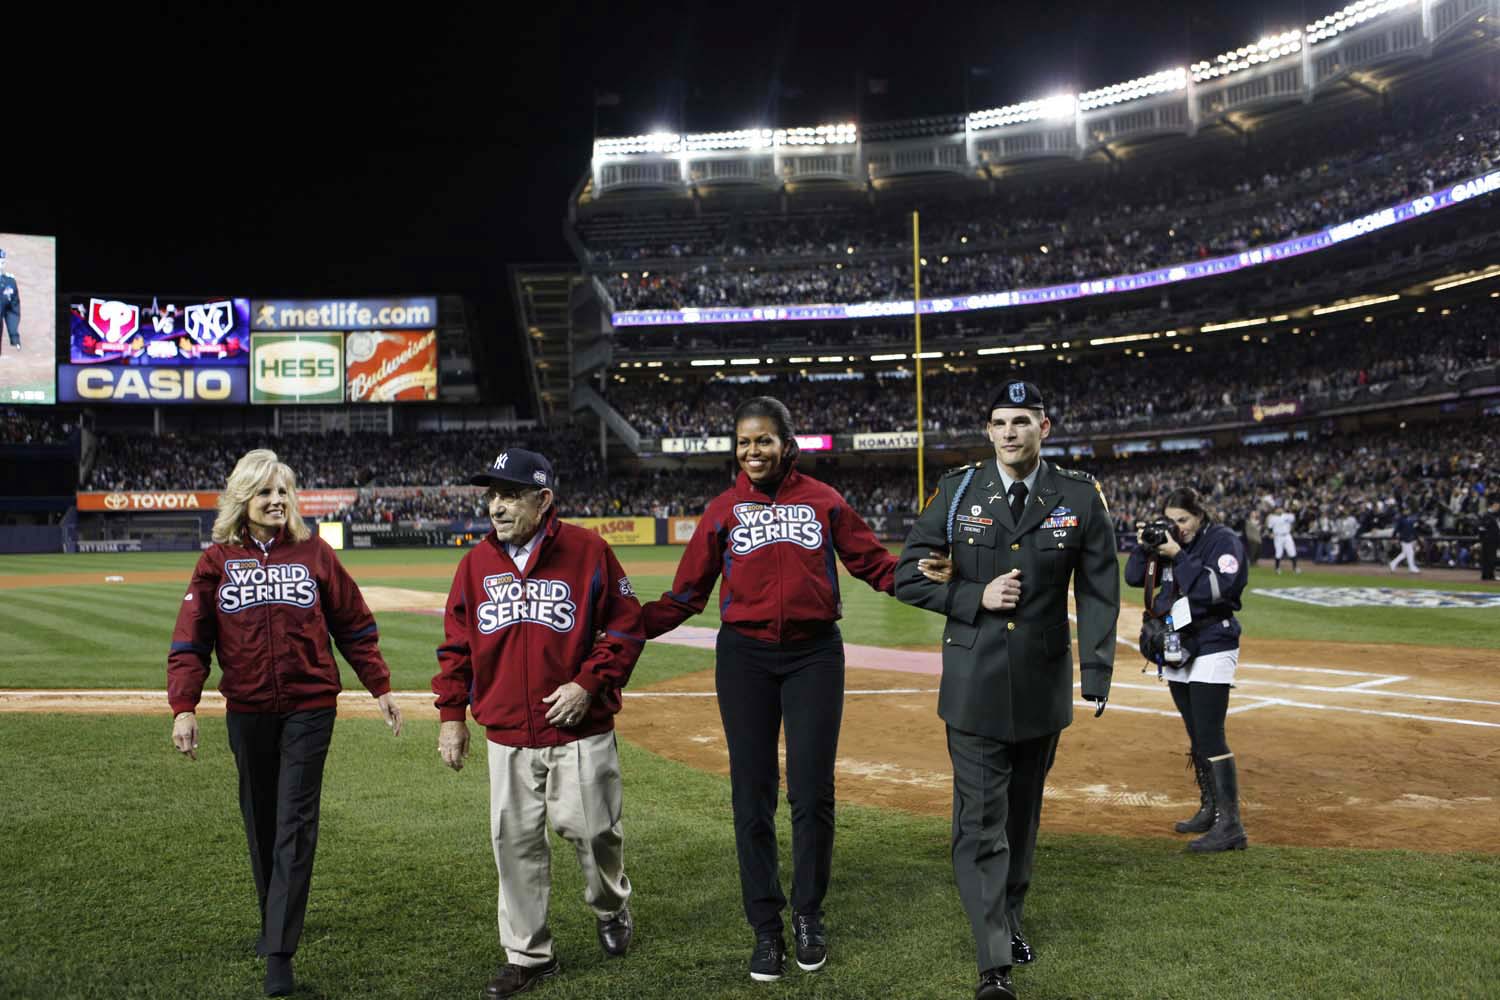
(266, 596)
(774, 536)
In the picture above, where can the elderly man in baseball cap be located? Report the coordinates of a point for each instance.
(542, 630)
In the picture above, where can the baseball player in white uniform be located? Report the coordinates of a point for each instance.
(1280, 522)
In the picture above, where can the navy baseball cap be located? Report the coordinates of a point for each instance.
(516, 465)
(1016, 395)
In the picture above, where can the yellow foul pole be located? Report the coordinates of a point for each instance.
(916, 309)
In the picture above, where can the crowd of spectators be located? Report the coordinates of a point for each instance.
(1216, 180)
(1340, 488)
(1345, 490)
(1105, 235)
(1098, 392)
(19, 426)
(142, 462)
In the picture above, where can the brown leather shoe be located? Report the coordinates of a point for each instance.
(513, 979)
(615, 932)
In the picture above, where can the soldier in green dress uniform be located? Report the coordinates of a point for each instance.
(1016, 530)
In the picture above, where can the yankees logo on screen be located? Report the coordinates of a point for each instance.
(762, 525)
(252, 585)
(542, 602)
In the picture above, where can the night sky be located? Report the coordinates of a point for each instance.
(276, 152)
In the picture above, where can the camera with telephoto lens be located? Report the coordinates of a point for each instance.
(1154, 534)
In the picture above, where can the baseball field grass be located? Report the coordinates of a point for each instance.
(123, 865)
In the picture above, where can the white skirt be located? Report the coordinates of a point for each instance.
(1210, 668)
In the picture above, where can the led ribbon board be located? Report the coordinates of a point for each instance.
(1407, 211)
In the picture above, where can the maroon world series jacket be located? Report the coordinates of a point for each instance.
(269, 615)
(511, 638)
(777, 558)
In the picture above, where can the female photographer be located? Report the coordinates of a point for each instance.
(1202, 574)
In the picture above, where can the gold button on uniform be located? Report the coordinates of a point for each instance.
(1010, 626)
(948, 640)
(1061, 545)
(971, 541)
(1015, 547)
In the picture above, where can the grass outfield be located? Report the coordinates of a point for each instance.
(124, 872)
(116, 636)
(124, 867)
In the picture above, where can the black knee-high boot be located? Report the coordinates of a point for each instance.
(1203, 820)
(1227, 834)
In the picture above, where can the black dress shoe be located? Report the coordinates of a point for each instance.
(994, 984)
(1021, 953)
(279, 979)
(615, 932)
(513, 979)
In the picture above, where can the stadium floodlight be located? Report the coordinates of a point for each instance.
(1373, 300)
(1122, 339)
(1056, 107)
(1235, 324)
(707, 362)
(1018, 349)
(1268, 49)
(887, 357)
(744, 361)
(1166, 81)
(1493, 272)
(798, 361)
(1355, 14)
(928, 355)
(834, 359)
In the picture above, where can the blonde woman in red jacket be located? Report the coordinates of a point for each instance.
(776, 537)
(266, 596)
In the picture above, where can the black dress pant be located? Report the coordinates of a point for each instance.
(760, 684)
(997, 807)
(280, 760)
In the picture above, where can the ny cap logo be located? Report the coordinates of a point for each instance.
(501, 459)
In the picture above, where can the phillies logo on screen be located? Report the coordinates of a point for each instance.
(117, 324)
(251, 585)
(513, 600)
(762, 525)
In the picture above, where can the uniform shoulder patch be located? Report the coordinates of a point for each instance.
(1082, 477)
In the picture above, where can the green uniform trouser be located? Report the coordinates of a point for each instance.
(997, 806)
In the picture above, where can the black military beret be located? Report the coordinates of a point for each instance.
(1022, 395)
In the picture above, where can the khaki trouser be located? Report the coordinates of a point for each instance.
(577, 788)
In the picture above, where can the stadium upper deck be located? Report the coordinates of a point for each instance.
(1255, 160)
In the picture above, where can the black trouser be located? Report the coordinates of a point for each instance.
(759, 684)
(1203, 708)
(280, 760)
(997, 807)
(1487, 562)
